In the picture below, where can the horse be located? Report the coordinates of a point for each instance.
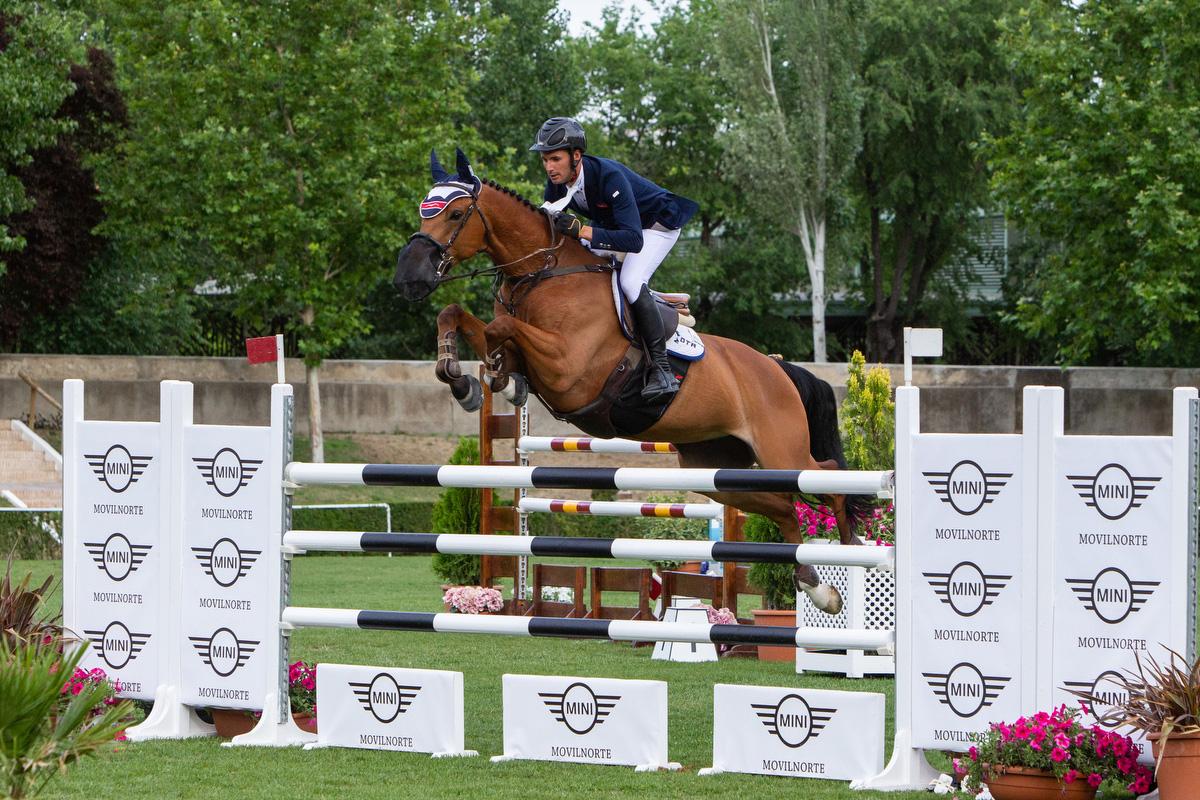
(555, 331)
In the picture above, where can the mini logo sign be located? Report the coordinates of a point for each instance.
(384, 697)
(578, 707)
(224, 562)
(966, 588)
(792, 720)
(1112, 491)
(227, 472)
(1111, 595)
(966, 487)
(223, 651)
(1111, 693)
(117, 645)
(116, 468)
(965, 689)
(116, 556)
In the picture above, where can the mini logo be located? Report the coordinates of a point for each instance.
(224, 562)
(117, 645)
(116, 556)
(966, 487)
(1111, 595)
(223, 651)
(384, 697)
(965, 689)
(966, 588)
(1112, 491)
(578, 707)
(227, 472)
(1110, 690)
(116, 468)
(793, 721)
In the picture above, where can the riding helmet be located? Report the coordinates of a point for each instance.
(559, 133)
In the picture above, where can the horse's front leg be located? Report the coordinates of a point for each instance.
(453, 320)
(541, 353)
(502, 374)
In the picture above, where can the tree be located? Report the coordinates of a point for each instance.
(37, 47)
(795, 132)
(50, 272)
(1101, 166)
(284, 150)
(935, 83)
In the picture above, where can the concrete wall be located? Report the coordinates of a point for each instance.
(404, 397)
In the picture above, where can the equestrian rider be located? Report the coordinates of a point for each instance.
(629, 215)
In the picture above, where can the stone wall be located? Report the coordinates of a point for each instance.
(404, 397)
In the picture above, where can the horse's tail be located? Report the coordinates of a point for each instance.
(825, 440)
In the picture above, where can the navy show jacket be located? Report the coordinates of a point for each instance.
(621, 204)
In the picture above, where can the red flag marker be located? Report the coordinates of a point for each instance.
(264, 349)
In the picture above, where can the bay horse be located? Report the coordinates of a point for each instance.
(555, 326)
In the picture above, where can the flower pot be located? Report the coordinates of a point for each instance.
(780, 618)
(1179, 771)
(305, 721)
(689, 566)
(1025, 783)
(231, 722)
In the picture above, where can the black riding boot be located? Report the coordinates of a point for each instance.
(661, 378)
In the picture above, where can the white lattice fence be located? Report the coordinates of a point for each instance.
(870, 602)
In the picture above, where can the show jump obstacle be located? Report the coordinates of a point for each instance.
(1026, 565)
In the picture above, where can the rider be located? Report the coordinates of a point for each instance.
(630, 215)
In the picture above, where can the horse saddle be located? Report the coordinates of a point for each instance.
(678, 323)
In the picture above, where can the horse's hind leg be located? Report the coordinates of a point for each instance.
(731, 453)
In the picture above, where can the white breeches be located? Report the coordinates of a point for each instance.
(637, 268)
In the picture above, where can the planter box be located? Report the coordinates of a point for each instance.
(870, 603)
(780, 618)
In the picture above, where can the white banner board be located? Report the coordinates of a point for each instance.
(968, 576)
(228, 613)
(409, 710)
(115, 568)
(586, 720)
(802, 733)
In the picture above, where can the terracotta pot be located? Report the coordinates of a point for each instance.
(779, 618)
(689, 566)
(232, 722)
(1179, 771)
(1024, 783)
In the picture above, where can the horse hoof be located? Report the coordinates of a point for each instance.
(468, 393)
(825, 597)
(517, 391)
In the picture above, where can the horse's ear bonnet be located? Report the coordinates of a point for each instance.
(465, 173)
(436, 170)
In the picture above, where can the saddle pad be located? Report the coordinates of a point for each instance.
(686, 344)
(666, 298)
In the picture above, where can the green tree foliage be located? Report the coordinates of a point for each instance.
(868, 417)
(936, 82)
(38, 44)
(284, 151)
(458, 510)
(1102, 166)
(793, 68)
(775, 580)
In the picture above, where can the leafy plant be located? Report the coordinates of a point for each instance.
(868, 417)
(458, 510)
(21, 618)
(1058, 743)
(775, 580)
(40, 735)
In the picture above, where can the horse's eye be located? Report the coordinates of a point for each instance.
(456, 215)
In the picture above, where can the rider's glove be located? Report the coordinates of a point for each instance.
(567, 225)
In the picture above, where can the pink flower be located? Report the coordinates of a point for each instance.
(1126, 764)
(309, 684)
(973, 753)
(1062, 740)
(1070, 775)
(1094, 780)
(1058, 755)
(1120, 744)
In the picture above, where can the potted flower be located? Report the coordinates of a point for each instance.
(1054, 755)
(1163, 702)
(302, 692)
(472, 600)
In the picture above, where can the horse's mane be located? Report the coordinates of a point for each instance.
(515, 195)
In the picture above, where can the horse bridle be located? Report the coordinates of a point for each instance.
(446, 260)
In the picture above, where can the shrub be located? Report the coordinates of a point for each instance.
(775, 580)
(458, 511)
(868, 417)
(667, 528)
